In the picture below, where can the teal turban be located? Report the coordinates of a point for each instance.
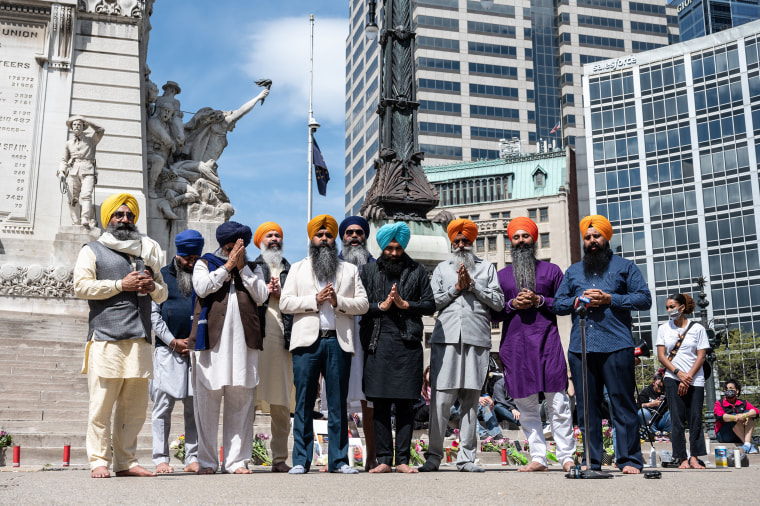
(398, 231)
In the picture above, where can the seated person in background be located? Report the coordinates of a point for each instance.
(735, 418)
(495, 406)
(422, 406)
(650, 400)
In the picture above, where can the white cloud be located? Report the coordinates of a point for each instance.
(280, 52)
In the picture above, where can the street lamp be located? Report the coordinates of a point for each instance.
(371, 29)
(715, 339)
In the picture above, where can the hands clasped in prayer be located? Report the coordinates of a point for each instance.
(464, 280)
(236, 257)
(136, 281)
(274, 287)
(525, 299)
(394, 298)
(598, 297)
(327, 293)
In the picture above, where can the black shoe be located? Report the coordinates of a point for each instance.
(428, 467)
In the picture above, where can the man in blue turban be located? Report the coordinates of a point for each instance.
(391, 332)
(172, 322)
(226, 336)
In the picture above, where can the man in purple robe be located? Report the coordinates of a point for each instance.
(531, 351)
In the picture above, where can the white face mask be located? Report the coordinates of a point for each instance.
(675, 314)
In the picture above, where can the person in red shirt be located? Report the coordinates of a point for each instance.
(735, 418)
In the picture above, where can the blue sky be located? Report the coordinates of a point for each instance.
(215, 51)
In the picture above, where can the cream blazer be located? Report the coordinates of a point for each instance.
(299, 297)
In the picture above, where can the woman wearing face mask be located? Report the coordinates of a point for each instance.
(735, 418)
(681, 348)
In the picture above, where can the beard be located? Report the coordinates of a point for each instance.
(123, 231)
(463, 255)
(392, 267)
(184, 280)
(524, 266)
(324, 261)
(272, 255)
(356, 254)
(596, 262)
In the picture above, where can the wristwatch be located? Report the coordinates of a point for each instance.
(472, 285)
(676, 371)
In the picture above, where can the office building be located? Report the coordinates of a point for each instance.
(697, 18)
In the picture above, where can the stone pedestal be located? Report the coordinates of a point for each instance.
(429, 244)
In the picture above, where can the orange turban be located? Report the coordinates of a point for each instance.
(464, 227)
(523, 223)
(600, 223)
(113, 203)
(263, 229)
(322, 221)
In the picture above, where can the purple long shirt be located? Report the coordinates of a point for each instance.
(531, 350)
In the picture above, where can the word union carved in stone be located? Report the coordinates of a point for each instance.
(54, 281)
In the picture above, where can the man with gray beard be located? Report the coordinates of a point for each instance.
(531, 351)
(354, 230)
(275, 388)
(323, 293)
(466, 290)
(172, 323)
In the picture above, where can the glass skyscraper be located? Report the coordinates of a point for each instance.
(697, 18)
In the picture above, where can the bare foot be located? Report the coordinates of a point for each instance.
(136, 471)
(685, 465)
(567, 466)
(243, 470)
(324, 469)
(100, 472)
(631, 470)
(192, 468)
(370, 465)
(695, 463)
(533, 467)
(205, 470)
(164, 468)
(381, 468)
(404, 468)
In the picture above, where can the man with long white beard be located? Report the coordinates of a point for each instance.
(275, 387)
(614, 287)
(354, 231)
(226, 339)
(172, 322)
(112, 274)
(466, 289)
(531, 351)
(324, 293)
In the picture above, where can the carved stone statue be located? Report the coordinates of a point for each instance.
(78, 171)
(160, 143)
(196, 185)
(177, 130)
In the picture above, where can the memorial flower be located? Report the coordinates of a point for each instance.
(179, 445)
(259, 452)
(5, 439)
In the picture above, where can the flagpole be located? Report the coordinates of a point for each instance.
(313, 125)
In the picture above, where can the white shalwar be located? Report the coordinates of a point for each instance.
(227, 370)
(561, 420)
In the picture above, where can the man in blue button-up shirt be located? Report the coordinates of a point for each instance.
(615, 287)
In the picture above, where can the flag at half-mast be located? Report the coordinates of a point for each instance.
(320, 168)
(556, 128)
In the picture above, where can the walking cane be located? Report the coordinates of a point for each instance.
(581, 309)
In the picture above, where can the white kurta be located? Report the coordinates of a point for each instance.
(230, 362)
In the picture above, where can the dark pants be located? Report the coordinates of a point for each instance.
(615, 371)
(324, 356)
(688, 407)
(384, 432)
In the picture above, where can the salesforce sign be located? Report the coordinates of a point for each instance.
(615, 64)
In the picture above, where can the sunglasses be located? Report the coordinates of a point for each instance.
(324, 234)
(461, 241)
(359, 232)
(119, 215)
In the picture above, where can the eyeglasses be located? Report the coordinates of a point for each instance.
(321, 234)
(120, 215)
(359, 232)
(463, 241)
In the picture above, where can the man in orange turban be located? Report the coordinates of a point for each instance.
(111, 274)
(275, 386)
(523, 223)
(613, 287)
(466, 290)
(323, 293)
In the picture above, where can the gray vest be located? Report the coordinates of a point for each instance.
(125, 315)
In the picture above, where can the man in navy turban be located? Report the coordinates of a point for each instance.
(231, 231)
(391, 332)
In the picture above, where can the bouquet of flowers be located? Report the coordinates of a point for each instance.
(416, 450)
(179, 445)
(259, 452)
(491, 444)
(607, 441)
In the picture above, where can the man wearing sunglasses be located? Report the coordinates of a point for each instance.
(466, 289)
(323, 293)
(115, 274)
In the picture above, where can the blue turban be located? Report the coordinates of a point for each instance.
(353, 220)
(231, 231)
(398, 231)
(189, 242)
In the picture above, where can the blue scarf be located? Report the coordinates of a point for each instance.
(201, 337)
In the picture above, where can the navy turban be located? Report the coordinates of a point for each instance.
(189, 242)
(398, 231)
(231, 231)
(353, 220)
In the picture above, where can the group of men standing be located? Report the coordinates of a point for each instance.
(267, 331)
